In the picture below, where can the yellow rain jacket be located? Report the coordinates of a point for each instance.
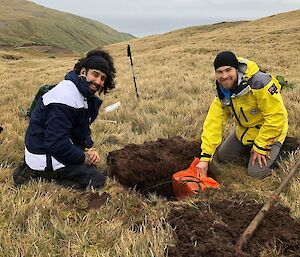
(257, 107)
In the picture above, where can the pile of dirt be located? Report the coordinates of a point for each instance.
(205, 229)
(149, 167)
(290, 144)
(213, 229)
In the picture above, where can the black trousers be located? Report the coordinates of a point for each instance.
(76, 176)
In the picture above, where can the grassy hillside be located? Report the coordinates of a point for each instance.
(24, 22)
(175, 81)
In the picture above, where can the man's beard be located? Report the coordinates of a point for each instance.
(228, 83)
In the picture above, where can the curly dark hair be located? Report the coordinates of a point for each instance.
(109, 83)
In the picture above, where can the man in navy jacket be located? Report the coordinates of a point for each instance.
(58, 143)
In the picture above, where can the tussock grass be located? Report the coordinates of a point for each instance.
(42, 219)
(175, 82)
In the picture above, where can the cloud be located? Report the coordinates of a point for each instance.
(147, 17)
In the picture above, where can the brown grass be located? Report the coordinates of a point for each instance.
(175, 82)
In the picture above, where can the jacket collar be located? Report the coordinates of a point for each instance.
(242, 86)
(80, 83)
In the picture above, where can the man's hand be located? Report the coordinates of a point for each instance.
(202, 168)
(91, 156)
(261, 158)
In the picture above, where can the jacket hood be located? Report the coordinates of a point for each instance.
(249, 68)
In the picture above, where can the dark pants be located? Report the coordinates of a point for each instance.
(75, 176)
(232, 148)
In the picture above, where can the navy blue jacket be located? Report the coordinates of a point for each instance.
(59, 127)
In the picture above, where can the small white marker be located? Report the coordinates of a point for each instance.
(112, 107)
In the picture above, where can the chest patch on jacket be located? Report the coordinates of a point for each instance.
(273, 90)
(253, 111)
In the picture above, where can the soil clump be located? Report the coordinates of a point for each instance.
(212, 230)
(149, 167)
(208, 227)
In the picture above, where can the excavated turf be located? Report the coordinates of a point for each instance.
(149, 167)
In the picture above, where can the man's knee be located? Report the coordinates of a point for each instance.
(230, 149)
(223, 156)
(220, 156)
(260, 173)
(257, 172)
(81, 176)
(97, 180)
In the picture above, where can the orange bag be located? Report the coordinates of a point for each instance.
(187, 183)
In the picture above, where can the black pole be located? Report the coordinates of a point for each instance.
(1, 129)
(131, 62)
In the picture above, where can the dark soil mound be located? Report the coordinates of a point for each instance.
(149, 167)
(290, 144)
(203, 229)
(213, 230)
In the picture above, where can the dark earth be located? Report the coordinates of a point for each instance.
(208, 228)
(149, 167)
(212, 230)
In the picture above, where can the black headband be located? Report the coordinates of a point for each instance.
(95, 62)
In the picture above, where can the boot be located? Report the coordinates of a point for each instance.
(22, 174)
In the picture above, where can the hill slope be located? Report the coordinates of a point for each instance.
(175, 79)
(273, 42)
(23, 22)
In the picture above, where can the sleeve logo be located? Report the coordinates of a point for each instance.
(273, 90)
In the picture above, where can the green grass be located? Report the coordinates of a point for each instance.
(24, 22)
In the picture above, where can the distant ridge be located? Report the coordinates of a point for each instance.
(24, 23)
(276, 30)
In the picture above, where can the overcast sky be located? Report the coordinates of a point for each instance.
(147, 17)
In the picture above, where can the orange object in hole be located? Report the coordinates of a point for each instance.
(187, 183)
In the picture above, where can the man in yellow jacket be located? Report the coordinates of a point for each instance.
(253, 98)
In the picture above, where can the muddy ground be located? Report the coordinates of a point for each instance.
(209, 228)
(212, 230)
(149, 167)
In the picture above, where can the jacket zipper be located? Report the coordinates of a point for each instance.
(244, 135)
(243, 114)
(235, 115)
